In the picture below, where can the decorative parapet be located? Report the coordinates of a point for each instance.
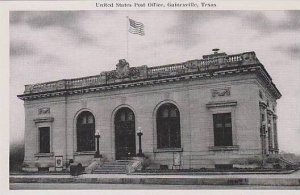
(48, 86)
(125, 73)
(124, 76)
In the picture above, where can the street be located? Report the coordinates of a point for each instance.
(89, 186)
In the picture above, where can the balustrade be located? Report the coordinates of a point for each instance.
(111, 76)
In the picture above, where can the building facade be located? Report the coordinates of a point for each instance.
(200, 113)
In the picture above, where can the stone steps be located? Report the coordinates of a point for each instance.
(115, 167)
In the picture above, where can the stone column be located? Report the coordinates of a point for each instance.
(270, 132)
(266, 137)
(276, 147)
(262, 136)
(263, 127)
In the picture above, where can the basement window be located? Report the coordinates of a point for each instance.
(223, 166)
(43, 169)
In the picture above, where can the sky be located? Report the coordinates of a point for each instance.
(53, 45)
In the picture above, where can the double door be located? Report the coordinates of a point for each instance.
(125, 135)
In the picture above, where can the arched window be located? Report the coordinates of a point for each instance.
(85, 132)
(168, 126)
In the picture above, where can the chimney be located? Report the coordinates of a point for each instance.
(215, 55)
(215, 50)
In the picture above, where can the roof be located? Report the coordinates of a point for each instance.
(124, 76)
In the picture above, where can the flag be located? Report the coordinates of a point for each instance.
(136, 27)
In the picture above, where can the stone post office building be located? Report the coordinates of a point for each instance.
(205, 112)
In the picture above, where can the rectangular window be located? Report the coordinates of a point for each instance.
(222, 129)
(44, 139)
(43, 169)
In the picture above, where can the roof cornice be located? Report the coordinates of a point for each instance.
(144, 82)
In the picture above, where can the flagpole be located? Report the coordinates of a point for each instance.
(127, 18)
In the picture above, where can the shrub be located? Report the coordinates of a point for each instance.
(254, 160)
(277, 166)
(163, 167)
(248, 161)
(37, 164)
(272, 160)
(25, 165)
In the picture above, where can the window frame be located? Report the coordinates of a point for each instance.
(79, 128)
(124, 118)
(216, 107)
(39, 123)
(168, 122)
(224, 135)
(39, 145)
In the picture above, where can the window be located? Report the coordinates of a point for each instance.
(222, 129)
(168, 126)
(85, 132)
(125, 114)
(44, 139)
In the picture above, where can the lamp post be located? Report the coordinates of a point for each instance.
(140, 133)
(97, 154)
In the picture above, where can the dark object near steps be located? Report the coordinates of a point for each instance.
(115, 167)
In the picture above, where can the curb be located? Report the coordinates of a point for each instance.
(166, 181)
(214, 173)
(163, 173)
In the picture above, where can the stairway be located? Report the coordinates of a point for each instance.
(115, 167)
(288, 163)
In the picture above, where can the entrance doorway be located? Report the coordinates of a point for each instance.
(125, 134)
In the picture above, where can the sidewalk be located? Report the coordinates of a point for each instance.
(292, 179)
